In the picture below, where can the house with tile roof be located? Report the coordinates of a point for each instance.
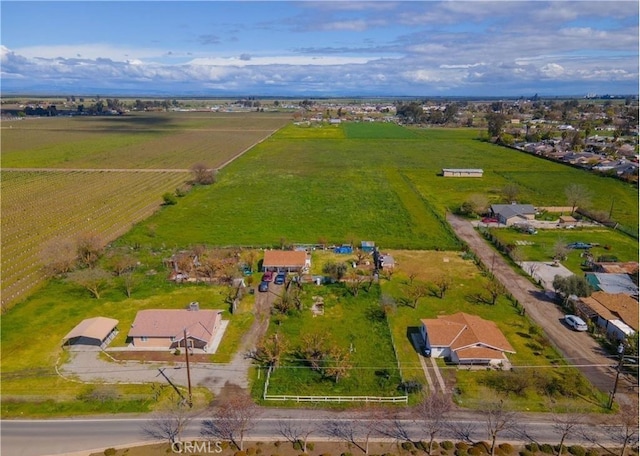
(157, 329)
(286, 261)
(465, 339)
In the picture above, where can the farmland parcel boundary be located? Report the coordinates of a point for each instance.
(291, 397)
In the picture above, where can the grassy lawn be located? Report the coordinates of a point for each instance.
(534, 355)
(355, 325)
(611, 243)
(28, 374)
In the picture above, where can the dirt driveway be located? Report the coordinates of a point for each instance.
(579, 349)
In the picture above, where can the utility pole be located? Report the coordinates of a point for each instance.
(186, 353)
(615, 384)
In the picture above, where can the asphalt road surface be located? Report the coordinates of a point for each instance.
(83, 436)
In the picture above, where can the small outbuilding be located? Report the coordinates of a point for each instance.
(462, 172)
(93, 333)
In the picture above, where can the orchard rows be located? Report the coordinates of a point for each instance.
(41, 207)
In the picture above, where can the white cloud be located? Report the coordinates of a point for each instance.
(280, 60)
(552, 70)
(90, 51)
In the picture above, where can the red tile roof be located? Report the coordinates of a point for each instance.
(468, 335)
(284, 258)
(199, 324)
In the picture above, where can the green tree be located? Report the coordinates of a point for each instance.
(495, 123)
(169, 199)
(335, 270)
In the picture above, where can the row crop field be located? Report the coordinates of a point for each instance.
(149, 140)
(57, 184)
(40, 208)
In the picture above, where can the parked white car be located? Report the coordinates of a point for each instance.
(575, 322)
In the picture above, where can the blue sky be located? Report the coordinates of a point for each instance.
(327, 48)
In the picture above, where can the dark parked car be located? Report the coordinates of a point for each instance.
(264, 286)
(579, 245)
(279, 279)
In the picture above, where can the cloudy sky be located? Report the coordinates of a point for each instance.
(324, 48)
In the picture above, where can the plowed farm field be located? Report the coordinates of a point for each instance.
(67, 177)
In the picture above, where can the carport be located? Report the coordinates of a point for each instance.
(91, 334)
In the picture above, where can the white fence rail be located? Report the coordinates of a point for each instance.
(296, 398)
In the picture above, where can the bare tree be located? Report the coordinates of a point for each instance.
(128, 281)
(566, 424)
(415, 291)
(495, 289)
(231, 420)
(625, 430)
(577, 195)
(270, 350)
(441, 285)
(121, 263)
(313, 349)
(59, 257)
(433, 415)
(357, 431)
(510, 192)
(169, 423)
(392, 424)
(296, 432)
(336, 363)
(203, 174)
(497, 421)
(560, 250)
(94, 280)
(89, 248)
(354, 281)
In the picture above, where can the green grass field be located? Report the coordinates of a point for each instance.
(540, 247)
(307, 183)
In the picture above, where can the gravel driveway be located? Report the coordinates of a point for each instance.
(88, 366)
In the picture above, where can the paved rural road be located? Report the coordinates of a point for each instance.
(82, 436)
(578, 348)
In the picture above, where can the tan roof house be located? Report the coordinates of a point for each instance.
(286, 260)
(164, 329)
(465, 339)
(93, 332)
(608, 311)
